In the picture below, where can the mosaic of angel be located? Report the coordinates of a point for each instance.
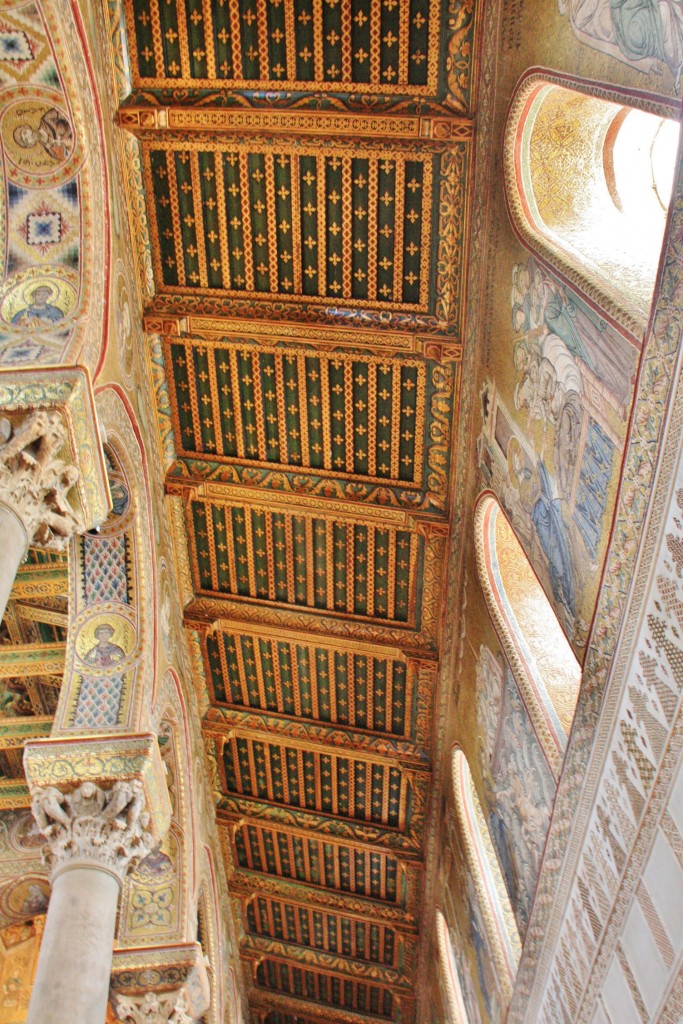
(519, 785)
(639, 32)
(552, 430)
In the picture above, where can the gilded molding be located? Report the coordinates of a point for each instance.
(163, 970)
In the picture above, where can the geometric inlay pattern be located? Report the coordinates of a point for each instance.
(336, 866)
(323, 930)
(288, 46)
(348, 414)
(349, 567)
(342, 786)
(239, 219)
(325, 988)
(305, 681)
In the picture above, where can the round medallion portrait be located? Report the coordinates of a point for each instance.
(39, 138)
(39, 298)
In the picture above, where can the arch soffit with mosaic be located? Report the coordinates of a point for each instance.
(208, 915)
(482, 863)
(551, 741)
(67, 155)
(456, 1010)
(111, 643)
(603, 298)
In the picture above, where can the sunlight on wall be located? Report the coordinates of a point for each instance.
(592, 182)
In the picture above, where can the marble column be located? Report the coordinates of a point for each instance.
(94, 836)
(13, 548)
(102, 804)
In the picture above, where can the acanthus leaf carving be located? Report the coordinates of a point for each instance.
(35, 482)
(152, 1008)
(93, 825)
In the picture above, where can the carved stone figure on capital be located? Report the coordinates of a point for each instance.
(93, 824)
(153, 1008)
(35, 481)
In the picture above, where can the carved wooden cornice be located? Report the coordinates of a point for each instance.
(402, 917)
(255, 947)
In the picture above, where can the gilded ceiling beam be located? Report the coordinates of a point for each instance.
(302, 743)
(358, 835)
(353, 832)
(250, 884)
(205, 614)
(330, 338)
(255, 947)
(332, 643)
(204, 611)
(35, 581)
(304, 1009)
(31, 659)
(299, 504)
(34, 613)
(15, 732)
(221, 721)
(172, 121)
(13, 794)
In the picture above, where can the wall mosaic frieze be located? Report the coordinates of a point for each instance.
(659, 375)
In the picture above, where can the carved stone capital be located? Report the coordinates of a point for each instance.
(150, 1008)
(106, 828)
(100, 801)
(52, 472)
(35, 481)
(160, 984)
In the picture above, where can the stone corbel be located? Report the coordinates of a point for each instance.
(100, 802)
(159, 984)
(52, 470)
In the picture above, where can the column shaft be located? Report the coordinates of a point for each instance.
(13, 545)
(72, 981)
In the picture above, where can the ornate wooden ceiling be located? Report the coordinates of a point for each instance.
(299, 181)
(32, 651)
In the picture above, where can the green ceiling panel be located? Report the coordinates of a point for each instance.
(316, 683)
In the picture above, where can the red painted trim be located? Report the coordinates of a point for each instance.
(104, 211)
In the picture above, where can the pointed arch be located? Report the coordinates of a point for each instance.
(111, 642)
(561, 198)
(546, 671)
(212, 939)
(484, 869)
(457, 1012)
